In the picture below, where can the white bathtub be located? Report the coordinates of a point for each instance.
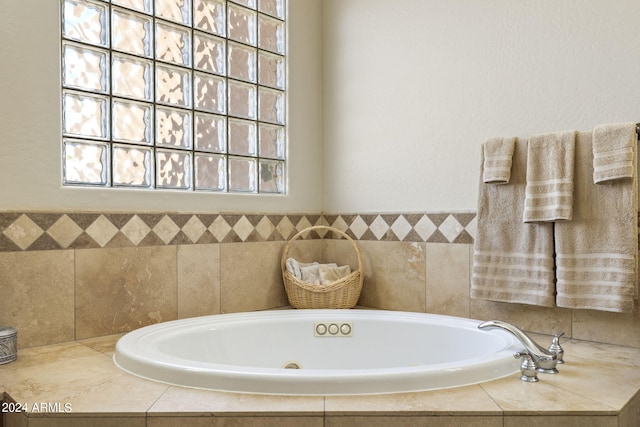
(372, 352)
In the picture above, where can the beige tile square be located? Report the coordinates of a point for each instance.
(265, 228)
(118, 290)
(286, 228)
(55, 373)
(37, 296)
(342, 252)
(306, 250)
(84, 379)
(20, 376)
(243, 228)
(64, 231)
(394, 274)
(219, 228)
(188, 401)
(604, 365)
(250, 276)
(36, 356)
(517, 397)
(135, 229)
(122, 394)
(166, 229)
(531, 318)
(102, 230)
(198, 280)
(602, 326)
(23, 231)
(194, 229)
(468, 401)
(447, 279)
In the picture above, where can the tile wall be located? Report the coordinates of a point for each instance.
(66, 276)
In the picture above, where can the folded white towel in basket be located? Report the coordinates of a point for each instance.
(316, 273)
(332, 273)
(294, 267)
(311, 273)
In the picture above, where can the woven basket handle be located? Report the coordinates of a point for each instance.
(320, 227)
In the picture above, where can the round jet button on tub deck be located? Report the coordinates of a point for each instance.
(333, 329)
(321, 329)
(345, 329)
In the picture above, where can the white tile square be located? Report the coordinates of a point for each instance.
(379, 227)
(220, 228)
(194, 229)
(243, 228)
(265, 228)
(286, 228)
(102, 230)
(358, 227)
(450, 228)
(166, 229)
(401, 227)
(64, 231)
(425, 228)
(135, 230)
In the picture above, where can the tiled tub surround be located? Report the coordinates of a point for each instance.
(67, 277)
(80, 377)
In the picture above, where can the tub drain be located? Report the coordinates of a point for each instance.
(291, 365)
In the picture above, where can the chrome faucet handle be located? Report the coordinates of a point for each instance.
(556, 348)
(527, 367)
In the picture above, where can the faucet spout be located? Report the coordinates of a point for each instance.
(543, 359)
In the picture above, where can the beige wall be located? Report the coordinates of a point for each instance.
(413, 87)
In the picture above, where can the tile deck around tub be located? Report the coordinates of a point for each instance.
(598, 386)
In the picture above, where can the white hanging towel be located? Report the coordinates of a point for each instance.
(512, 260)
(614, 152)
(550, 164)
(597, 252)
(498, 157)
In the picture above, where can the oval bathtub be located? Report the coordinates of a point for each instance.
(319, 352)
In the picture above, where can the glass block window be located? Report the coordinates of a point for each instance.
(174, 94)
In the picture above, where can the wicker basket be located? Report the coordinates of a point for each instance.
(343, 293)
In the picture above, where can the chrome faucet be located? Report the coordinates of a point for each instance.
(544, 360)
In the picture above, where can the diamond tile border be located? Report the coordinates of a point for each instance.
(32, 231)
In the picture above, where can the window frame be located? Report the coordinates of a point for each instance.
(270, 163)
